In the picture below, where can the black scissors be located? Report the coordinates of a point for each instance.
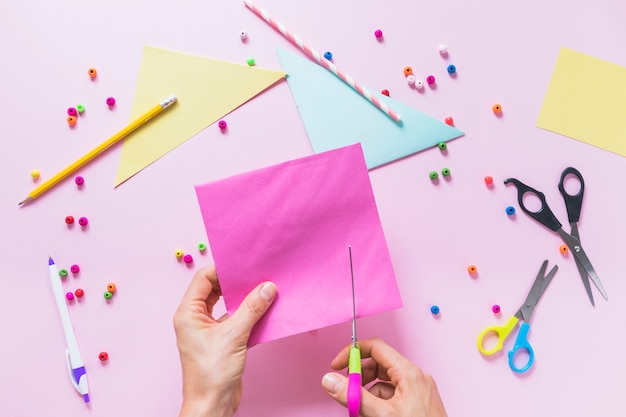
(545, 216)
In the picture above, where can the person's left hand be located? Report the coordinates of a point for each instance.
(213, 352)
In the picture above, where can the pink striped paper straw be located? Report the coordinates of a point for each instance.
(312, 53)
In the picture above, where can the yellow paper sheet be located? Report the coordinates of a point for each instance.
(586, 100)
(207, 89)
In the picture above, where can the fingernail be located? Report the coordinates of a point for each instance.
(268, 292)
(331, 383)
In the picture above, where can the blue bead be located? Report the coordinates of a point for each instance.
(510, 210)
(434, 310)
(451, 69)
(328, 55)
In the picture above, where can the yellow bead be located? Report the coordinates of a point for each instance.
(179, 253)
(35, 174)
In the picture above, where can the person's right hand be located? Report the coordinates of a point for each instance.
(403, 389)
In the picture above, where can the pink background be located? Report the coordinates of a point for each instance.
(504, 52)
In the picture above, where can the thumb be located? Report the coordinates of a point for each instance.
(254, 306)
(336, 385)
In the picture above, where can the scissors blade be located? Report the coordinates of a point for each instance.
(581, 269)
(580, 255)
(536, 291)
(353, 300)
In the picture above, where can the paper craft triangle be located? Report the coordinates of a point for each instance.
(207, 89)
(334, 115)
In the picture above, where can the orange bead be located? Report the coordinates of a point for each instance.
(71, 120)
(472, 269)
(497, 109)
(563, 249)
(92, 73)
(408, 71)
(111, 287)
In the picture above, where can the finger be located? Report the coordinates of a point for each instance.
(371, 372)
(336, 385)
(382, 390)
(203, 288)
(254, 306)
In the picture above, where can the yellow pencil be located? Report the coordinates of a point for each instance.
(99, 149)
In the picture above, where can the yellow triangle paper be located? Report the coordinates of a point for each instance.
(206, 89)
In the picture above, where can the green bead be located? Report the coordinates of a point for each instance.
(251, 61)
(433, 175)
(80, 108)
(201, 246)
(443, 146)
(63, 273)
(108, 295)
(445, 172)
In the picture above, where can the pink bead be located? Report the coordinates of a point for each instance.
(79, 180)
(83, 221)
(378, 33)
(430, 79)
(69, 296)
(222, 124)
(72, 111)
(188, 259)
(495, 309)
(110, 101)
(75, 269)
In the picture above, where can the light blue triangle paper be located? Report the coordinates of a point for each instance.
(334, 115)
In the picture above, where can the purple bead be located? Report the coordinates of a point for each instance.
(222, 124)
(110, 101)
(79, 180)
(72, 111)
(69, 296)
(75, 269)
(83, 221)
(495, 309)
(188, 259)
(430, 79)
(378, 33)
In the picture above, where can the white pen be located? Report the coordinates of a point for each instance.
(75, 365)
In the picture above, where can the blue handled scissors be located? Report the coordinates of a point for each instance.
(525, 312)
(545, 216)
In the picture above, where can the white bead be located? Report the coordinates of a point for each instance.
(244, 35)
(443, 49)
(419, 84)
(410, 79)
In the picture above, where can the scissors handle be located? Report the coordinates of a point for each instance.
(544, 215)
(521, 343)
(354, 382)
(572, 202)
(501, 332)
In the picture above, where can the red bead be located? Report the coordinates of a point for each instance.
(488, 181)
(103, 356)
(69, 220)
(79, 292)
(449, 121)
(385, 93)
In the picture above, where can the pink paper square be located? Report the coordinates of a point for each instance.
(292, 223)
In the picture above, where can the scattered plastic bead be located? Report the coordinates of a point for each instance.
(472, 269)
(35, 174)
(83, 221)
(243, 35)
(443, 146)
(92, 73)
(328, 55)
(488, 181)
(443, 49)
(103, 356)
(410, 79)
(179, 253)
(71, 120)
(435, 310)
(72, 111)
(111, 287)
(449, 121)
(497, 109)
(510, 210)
(433, 175)
(222, 124)
(201, 246)
(378, 33)
(408, 71)
(563, 249)
(445, 172)
(385, 93)
(430, 79)
(188, 259)
(451, 69)
(79, 293)
(79, 180)
(110, 101)
(495, 309)
(63, 273)
(75, 269)
(69, 295)
(419, 84)
(251, 62)
(80, 108)
(69, 220)
(108, 295)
